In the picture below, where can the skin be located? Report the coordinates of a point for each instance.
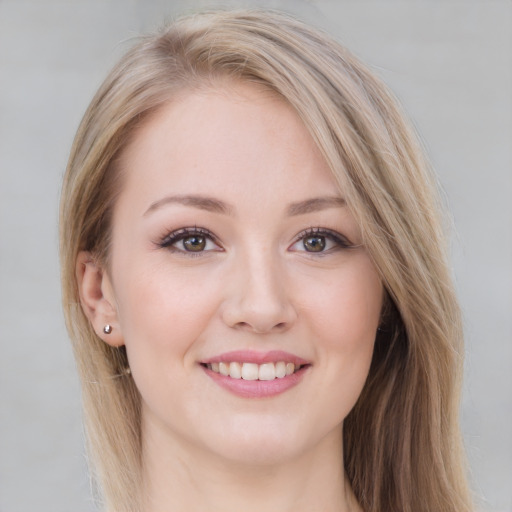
(255, 286)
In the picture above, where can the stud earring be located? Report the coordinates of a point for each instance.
(107, 329)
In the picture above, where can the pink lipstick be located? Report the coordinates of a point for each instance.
(254, 374)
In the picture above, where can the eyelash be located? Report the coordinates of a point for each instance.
(341, 241)
(175, 236)
(168, 241)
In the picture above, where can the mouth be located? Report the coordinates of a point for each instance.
(250, 374)
(253, 371)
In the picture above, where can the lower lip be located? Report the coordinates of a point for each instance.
(257, 388)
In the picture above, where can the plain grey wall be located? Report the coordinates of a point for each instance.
(450, 62)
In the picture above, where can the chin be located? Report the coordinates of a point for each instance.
(268, 441)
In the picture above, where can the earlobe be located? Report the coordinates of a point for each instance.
(97, 299)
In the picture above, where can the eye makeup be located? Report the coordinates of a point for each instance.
(320, 241)
(196, 240)
(193, 240)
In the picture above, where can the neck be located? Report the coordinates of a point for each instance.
(180, 477)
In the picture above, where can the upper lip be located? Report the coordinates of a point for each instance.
(252, 356)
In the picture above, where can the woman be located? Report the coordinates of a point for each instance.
(255, 282)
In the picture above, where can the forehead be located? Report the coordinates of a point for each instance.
(222, 140)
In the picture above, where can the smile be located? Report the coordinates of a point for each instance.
(252, 374)
(254, 371)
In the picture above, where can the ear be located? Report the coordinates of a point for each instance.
(97, 298)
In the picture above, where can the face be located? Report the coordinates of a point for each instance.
(242, 291)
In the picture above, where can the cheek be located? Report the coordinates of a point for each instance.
(345, 323)
(163, 312)
(348, 305)
(163, 318)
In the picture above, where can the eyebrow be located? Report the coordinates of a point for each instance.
(316, 204)
(209, 204)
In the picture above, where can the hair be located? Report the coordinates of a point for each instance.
(402, 444)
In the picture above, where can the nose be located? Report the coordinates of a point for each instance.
(258, 297)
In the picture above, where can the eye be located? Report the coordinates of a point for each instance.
(316, 243)
(319, 240)
(190, 240)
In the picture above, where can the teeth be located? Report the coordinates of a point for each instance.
(224, 369)
(267, 371)
(281, 369)
(235, 370)
(250, 371)
(253, 371)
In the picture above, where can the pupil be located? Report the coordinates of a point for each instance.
(194, 243)
(314, 243)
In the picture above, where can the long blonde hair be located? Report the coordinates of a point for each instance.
(402, 444)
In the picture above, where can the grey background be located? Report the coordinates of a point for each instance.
(450, 62)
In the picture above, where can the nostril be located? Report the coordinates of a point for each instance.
(242, 325)
(262, 329)
(258, 316)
